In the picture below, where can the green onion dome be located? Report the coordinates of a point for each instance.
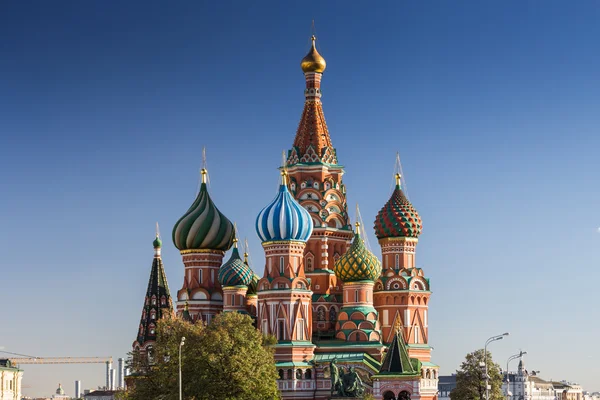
(253, 285)
(358, 263)
(398, 217)
(157, 243)
(235, 272)
(203, 226)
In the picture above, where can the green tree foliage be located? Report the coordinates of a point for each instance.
(470, 378)
(228, 359)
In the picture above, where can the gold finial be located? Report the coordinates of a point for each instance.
(186, 305)
(203, 171)
(357, 224)
(246, 250)
(313, 61)
(398, 325)
(398, 176)
(284, 175)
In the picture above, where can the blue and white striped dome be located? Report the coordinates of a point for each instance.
(284, 219)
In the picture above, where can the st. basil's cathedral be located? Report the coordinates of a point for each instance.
(323, 294)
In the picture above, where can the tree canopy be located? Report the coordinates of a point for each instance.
(470, 378)
(228, 359)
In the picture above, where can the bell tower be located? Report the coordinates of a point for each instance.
(402, 292)
(315, 180)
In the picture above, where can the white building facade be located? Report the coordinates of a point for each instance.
(10, 381)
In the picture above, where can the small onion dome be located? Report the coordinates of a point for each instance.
(203, 226)
(358, 263)
(253, 285)
(284, 219)
(157, 243)
(313, 61)
(398, 217)
(235, 272)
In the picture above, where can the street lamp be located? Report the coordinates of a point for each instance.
(521, 354)
(487, 378)
(180, 346)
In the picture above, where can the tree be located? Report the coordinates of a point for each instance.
(228, 359)
(470, 378)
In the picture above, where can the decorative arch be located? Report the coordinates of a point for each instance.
(396, 283)
(200, 294)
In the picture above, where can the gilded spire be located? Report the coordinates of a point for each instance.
(313, 61)
(203, 171)
(398, 176)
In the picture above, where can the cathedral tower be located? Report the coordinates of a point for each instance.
(202, 235)
(235, 276)
(157, 303)
(358, 321)
(316, 182)
(284, 293)
(402, 292)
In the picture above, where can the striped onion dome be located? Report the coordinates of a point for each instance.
(253, 285)
(357, 263)
(235, 272)
(284, 219)
(203, 226)
(398, 217)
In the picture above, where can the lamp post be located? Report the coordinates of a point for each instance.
(521, 354)
(180, 346)
(487, 378)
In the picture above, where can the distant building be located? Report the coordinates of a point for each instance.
(10, 381)
(522, 385)
(60, 394)
(101, 395)
(446, 384)
(568, 391)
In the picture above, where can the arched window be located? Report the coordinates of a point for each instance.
(289, 374)
(309, 263)
(280, 374)
(308, 374)
(332, 314)
(321, 313)
(298, 373)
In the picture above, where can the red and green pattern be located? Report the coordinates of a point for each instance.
(398, 218)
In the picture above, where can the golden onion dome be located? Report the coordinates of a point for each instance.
(313, 61)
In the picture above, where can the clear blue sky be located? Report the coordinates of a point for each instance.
(493, 106)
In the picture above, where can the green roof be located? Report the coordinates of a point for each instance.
(397, 362)
(346, 357)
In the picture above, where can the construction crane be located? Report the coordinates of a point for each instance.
(60, 360)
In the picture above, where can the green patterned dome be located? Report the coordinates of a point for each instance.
(398, 217)
(235, 272)
(253, 285)
(358, 263)
(203, 226)
(157, 242)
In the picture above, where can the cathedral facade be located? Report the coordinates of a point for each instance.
(335, 308)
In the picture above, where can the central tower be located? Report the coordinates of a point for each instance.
(315, 180)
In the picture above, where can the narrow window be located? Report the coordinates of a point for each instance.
(281, 261)
(416, 334)
(309, 264)
(356, 296)
(300, 334)
(280, 330)
(397, 261)
(200, 276)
